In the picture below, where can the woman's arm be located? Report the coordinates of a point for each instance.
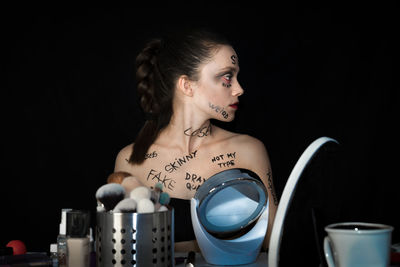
(254, 157)
(121, 161)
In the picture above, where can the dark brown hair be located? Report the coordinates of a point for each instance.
(158, 67)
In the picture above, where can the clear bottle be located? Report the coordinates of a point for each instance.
(53, 255)
(92, 244)
(78, 240)
(62, 249)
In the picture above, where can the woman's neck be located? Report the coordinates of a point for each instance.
(187, 131)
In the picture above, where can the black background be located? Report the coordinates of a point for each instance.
(68, 105)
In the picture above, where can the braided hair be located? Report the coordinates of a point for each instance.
(158, 66)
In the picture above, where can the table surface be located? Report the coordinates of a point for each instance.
(262, 261)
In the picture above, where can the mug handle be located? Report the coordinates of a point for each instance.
(328, 252)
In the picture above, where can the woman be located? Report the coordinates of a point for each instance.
(184, 81)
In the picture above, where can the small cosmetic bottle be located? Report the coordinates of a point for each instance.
(54, 255)
(62, 240)
(78, 241)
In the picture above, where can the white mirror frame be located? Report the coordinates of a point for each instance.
(286, 198)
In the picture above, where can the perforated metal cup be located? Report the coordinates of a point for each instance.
(132, 239)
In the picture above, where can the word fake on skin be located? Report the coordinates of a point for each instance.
(160, 178)
(178, 162)
(219, 109)
(193, 181)
(225, 160)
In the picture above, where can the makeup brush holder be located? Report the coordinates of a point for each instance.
(135, 239)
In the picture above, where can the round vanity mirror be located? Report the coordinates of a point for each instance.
(230, 201)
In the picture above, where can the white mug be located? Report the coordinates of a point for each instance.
(358, 244)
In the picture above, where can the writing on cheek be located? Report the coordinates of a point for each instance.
(178, 162)
(225, 160)
(193, 181)
(159, 177)
(219, 109)
(227, 85)
(226, 81)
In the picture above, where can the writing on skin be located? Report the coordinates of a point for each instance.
(179, 161)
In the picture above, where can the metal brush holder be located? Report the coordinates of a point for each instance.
(134, 239)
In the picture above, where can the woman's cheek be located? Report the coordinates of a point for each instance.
(219, 111)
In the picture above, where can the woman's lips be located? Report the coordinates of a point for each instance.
(234, 105)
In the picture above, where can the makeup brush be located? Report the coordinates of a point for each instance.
(126, 205)
(155, 194)
(130, 183)
(117, 177)
(145, 205)
(158, 187)
(164, 198)
(110, 194)
(140, 192)
(162, 208)
(100, 207)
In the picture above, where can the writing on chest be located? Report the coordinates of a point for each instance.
(178, 162)
(189, 171)
(188, 179)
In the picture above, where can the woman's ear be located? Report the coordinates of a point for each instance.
(185, 85)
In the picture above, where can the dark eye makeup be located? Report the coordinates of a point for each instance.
(227, 77)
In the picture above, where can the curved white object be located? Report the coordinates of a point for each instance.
(242, 250)
(287, 195)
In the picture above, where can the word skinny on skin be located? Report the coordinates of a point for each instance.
(219, 109)
(179, 161)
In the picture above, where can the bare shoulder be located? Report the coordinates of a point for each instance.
(243, 142)
(251, 147)
(251, 150)
(251, 153)
(250, 142)
(121, 161)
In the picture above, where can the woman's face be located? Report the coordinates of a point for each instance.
(217, 91)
